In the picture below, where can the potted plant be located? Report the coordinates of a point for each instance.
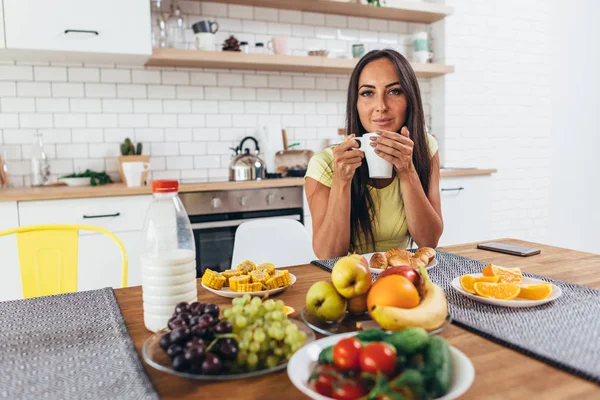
(131, 152)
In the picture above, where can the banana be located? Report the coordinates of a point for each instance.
(430, 314)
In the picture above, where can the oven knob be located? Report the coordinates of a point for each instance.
(243, 201)
(216, 202)
(270, 198)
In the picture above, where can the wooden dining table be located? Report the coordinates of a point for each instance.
(500, 373)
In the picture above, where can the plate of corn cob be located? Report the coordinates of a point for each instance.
(247, 278)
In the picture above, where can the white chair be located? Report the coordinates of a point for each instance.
(280, 241)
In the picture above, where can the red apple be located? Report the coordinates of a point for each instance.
(408, 272)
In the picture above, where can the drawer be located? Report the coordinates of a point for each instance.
(117, 214)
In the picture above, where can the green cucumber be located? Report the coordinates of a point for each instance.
(438, 366)
(372, 335)
(326, 356)
(414, 380)
(408, 341)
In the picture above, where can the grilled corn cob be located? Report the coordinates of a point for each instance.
(259, 276)
(213, 279)
(266, 267)
(246, 266)
(250, 287)
(236, 281)
(279, 280)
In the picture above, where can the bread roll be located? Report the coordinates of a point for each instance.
(398, 257)
(419, 261)
(379, 261)
(427, 252)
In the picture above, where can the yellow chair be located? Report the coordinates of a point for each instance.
(48, 257)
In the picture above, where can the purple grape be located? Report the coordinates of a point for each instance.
(211, 364)
(203, 333)
(194, 321)
(182, 307)
(176, 323)
(179, 363)
(196, 308)
(228, 351)
(209, 318)
(165, 341)
(180, 335)
(223, 327)
(174, 350)
(194, 355)
(196, 341)
(185, 316)
(211, 309)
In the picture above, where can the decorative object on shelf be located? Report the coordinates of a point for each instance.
(159, 26)
(376, 3)
(231, 44)
(204, 34)
(245, 47)
(245, 166)
(175, 27)
(3, 174)
(421, 53)
(40, 167)
(134, 172)
(131, 153)
(318, 53)
(358, 50)
(86, 178)
(279, 44)
(259, 48)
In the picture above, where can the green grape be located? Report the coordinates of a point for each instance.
(241, 321)
(296, 346)
(272, 344)
(247, 335)
(268, 316)
(242, 357)
(277, 315)
(252, 360)
(237, 310)
(243, 344)
(252, 310)
(269, 305)
(259, 335)
(272, 361)
(278, 351)
(291, 329)
(259, 322)
(276, 333)
(227, 313)
(246, 299)
(302, 337)
(264, 347)
(289, 340)
(279, 305)
(247, 309)
(262, 311)
(256, 301)
(254, 347)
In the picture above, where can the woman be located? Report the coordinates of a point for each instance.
(352, 213)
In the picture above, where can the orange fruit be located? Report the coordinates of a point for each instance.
(505, 275)
(499, 291)
(536, 291)
(288, 310)
(393, 291)
(468, 281)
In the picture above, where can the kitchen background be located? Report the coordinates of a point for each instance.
(495, 111)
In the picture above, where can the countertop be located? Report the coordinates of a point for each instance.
(119, 189)
(501, 373)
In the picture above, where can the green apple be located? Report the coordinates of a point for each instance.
(358, 305)
(324, 302)
(351, 276)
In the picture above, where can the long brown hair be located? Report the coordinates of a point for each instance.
(362, 208)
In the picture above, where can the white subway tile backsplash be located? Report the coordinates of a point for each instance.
(8, 89)
(145, 76)
(256, 81)
(85, 105)
(279, 29)
(217, 93)
(117, 106)
(268, 94)
(192, 148)
(205, 134)
(225, 79)
(16, 104)
(158, 163)
(337, 21)
(244, 121)
(131, 91)
(305, 31)
(41, 89)
(254, 27)
(115, 75)
(87, 136)
(311, 18)
(179, 163)
(162, 120)
(211, 161)
(133, 120)
(214, 9)
(232, 134)
(164, 149)
(290, 16)
(190, 121)
(305, 108)
(243, 94)
(83, 74)
(380, 25)
(257, 107)
(243, 12)
(178, 134)
(266, 14)
(161, 92)
(218, 121)
(358, 23)
(177, 106)
(116, 135)
(72, 150)
(294, 121)
(63, 120)
(102, 120)
(94, 164)
(205, 106)
(147, 106)
(326, 108)
(229, 107)
(280, 81)
(36, 120)
(203, 78)
(16, 73)
(281, 107)
(323, 120)
(149, 135)
(398, 26)
(176, 77)
(52, 105)
(95, 90)
(300, 82)
(21, 136)
(190, 92)
(315, 95)
(194, 175)
(218, 148)
(9, 120)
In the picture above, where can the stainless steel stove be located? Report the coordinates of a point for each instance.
(215, 216)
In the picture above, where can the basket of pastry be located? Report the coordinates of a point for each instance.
(424, 256)
(247, 278)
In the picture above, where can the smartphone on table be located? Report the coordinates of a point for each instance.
(509, 249)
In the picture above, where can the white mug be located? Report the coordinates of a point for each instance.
(205, 41)
(422, 56)
(378, 167)
(133, 172)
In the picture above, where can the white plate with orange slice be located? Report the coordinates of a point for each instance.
(529, 292)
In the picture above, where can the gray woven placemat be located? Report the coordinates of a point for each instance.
(564, 333)
(72, 346)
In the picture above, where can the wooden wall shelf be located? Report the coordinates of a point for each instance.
(271, 62)
(411, 11)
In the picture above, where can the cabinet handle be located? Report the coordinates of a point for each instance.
(457, 189)
(67, 31)
(101, 216)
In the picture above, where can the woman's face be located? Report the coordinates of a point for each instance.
(381, 101)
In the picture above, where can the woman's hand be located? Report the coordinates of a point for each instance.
(346, 160)
(396, 148)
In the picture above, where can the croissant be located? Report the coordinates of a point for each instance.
(379, 261)
(397, 257)
(419, 261)
(427, 252)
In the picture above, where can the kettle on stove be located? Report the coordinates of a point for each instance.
(245, 166)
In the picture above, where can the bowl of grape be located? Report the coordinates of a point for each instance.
(252, 337)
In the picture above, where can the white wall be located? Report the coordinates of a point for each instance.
(575, 180)
(496, 106)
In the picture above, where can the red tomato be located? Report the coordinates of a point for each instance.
(378, 356)
(348, 389)
(346, 354)
(325, 380)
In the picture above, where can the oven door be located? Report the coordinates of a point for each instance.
(215, 235)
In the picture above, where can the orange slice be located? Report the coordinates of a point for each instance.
(505, 275)
(288, 310)
(536, 291)
(467, 282)
(499, 291)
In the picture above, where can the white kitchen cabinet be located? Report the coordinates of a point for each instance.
(82, 30)
(10, 283)
(466, 209)
(100, 261)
